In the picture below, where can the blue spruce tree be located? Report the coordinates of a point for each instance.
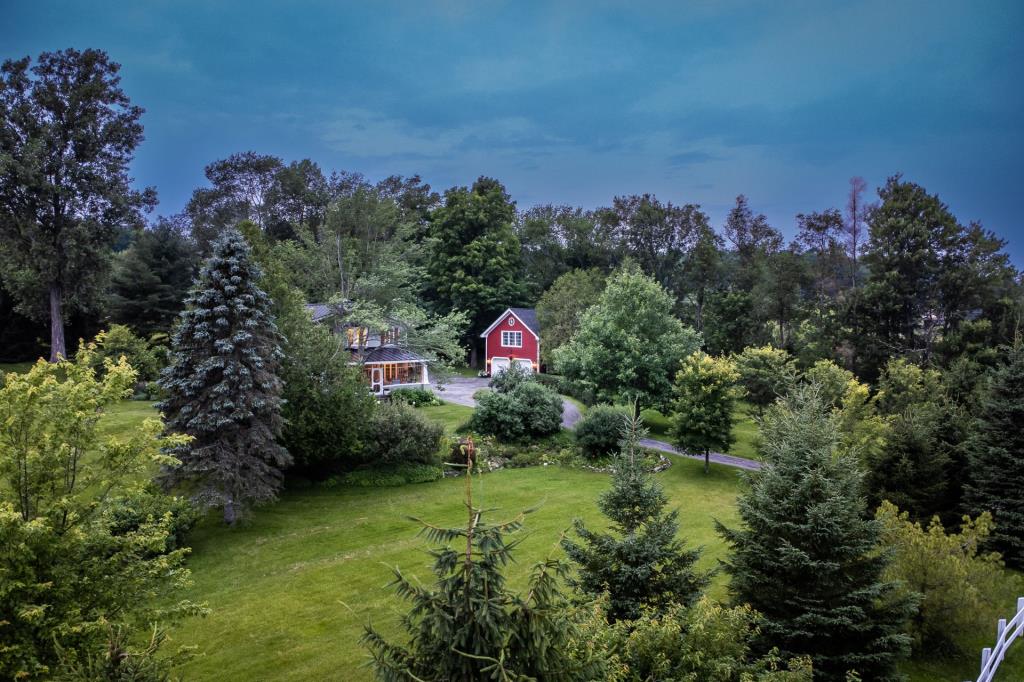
(223, 387)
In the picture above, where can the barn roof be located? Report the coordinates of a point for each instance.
(527, 316)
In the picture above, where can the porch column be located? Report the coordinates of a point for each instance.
(426, 376)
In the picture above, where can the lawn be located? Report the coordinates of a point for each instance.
(291, 591)
(744, 430)
(16, 367)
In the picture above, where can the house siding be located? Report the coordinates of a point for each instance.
(529, 351)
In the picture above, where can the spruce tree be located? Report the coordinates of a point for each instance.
(641, 563)
(469, 625)
(223, 387)
(808, 556)
(997, 457)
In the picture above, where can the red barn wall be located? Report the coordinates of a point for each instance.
(529, 351)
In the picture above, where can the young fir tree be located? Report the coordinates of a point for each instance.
(997, 457)
(470, 626)
(808, 556)
(223, 388)
(706, 394)
(641, 564)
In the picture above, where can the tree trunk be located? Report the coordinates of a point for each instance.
(58, 350)
(707, 460)
(472, 354)
(229, 513)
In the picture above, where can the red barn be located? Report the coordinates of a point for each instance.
(513, 338)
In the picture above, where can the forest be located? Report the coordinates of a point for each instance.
(183, 396)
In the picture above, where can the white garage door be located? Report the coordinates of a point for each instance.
(498, 365)
(525, 364)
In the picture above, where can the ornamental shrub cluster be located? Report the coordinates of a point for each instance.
(517, 410)
(599, 433)
(398, 434)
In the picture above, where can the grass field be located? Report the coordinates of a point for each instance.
(744, 430)
(291, 591)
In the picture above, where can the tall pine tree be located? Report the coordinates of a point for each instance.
(641, 563)
(808, 557)
(997, 457)
(223, 386)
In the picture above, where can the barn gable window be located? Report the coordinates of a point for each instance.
(511, 339)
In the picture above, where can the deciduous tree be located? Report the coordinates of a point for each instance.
(706, 391)
(69, 134)
(629, 344)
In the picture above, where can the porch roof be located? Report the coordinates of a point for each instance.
(391, 353)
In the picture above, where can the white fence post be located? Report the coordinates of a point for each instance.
(991, 657)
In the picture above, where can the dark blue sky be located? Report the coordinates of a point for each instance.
(574, 103)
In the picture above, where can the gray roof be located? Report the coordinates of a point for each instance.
(391, 353)
(529, 318)
(320, 311)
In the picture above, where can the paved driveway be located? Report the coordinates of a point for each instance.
(460, 390)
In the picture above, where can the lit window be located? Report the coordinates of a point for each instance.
(512, 339)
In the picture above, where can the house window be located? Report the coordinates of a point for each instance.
(512, 339)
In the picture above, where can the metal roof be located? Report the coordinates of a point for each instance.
(391, 353)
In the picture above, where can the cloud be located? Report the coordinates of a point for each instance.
(367, 134)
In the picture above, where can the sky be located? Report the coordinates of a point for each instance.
(575, 103)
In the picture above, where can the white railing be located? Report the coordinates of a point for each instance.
(1005, 634)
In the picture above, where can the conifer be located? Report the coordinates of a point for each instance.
(223, 387)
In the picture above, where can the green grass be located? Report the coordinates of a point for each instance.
(15, 367)
(744, 430)
(120, 418)
(452, 416)
(291, 591)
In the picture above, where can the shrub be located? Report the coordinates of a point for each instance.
(415, 397)
(132, 512)
(120, 340)
(599, 432)
(400, 435)
(509, 379)
(957, 582)
(529, 410)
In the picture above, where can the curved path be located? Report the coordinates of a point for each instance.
(460, 390)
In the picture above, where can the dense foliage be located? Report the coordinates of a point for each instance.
(808, 558)
(73, 564)
(629, 344)
(68, 136)
(398, 434)
(641, 564)
(599, 432)
(957, 582)
(518, 408)
(223, 389)
(996, 451)
(705, 400)
(705, 641)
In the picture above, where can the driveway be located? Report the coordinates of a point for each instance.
(460, 390)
